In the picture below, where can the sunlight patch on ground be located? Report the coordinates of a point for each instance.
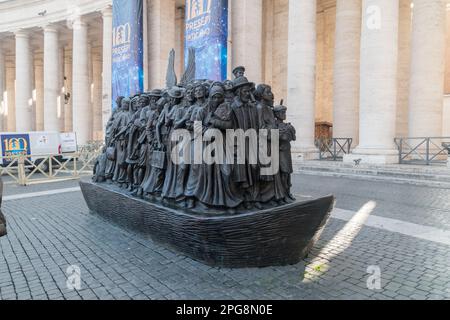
(342, 241)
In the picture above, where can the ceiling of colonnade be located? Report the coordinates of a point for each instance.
(16, 14)
(32, 15)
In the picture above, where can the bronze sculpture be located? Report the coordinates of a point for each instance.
(198, 206)
(109, 142)
(120, 129)
(271, 187)
(239, 72)
(214, 187)
(175, 173)
(287, 135)
(245, 117)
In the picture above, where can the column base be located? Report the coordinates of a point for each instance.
(372, 156)
(305, 154)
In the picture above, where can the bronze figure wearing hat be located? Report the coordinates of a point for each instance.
(239, 72)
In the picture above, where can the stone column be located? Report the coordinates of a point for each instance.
(301, 75)
(161, 39)
(346, 70)
(91, 92)
(378, 87)
(81, 124)
(68, 112)
(404, 63)
(326, 28)
(447, 55)
(2, 90)
(275, 42)
(230, 39)
(51, 78)
(24, 116)
(97, 121)
(268, 41)
(39, 87)
(247, 22)
(33, 93)
(10, 95)
(107, 67)
(427, 68)
(61, 74)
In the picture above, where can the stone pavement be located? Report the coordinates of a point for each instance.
(50, 233)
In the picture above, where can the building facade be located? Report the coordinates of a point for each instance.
(370, 70)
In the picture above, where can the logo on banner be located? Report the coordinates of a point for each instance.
(197, 8)
(122, 43)
(122, 35)
(207, 32)
(13, 146)
(198, 19)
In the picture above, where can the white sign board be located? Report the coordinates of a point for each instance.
(68, 142)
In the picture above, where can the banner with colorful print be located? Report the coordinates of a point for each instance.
(14, 145)
(206, 30)
(128, 48)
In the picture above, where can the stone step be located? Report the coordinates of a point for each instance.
(436, 176)
(426, 183)
(380, 172)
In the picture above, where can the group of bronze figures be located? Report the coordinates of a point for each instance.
(137, 155)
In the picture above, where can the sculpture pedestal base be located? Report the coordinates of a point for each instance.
(274, 237)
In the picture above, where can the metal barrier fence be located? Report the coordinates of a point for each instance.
(423, 151)
(334, 149)
(26, 170)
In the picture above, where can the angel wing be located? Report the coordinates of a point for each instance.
(171, 76)
(189, 74)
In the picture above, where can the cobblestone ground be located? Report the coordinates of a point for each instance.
(47, 234)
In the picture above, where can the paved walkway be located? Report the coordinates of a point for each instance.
(400, 233)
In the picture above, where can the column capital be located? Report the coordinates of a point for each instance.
(107, 11)
(50, 28)
(78, 22)
(22, 33)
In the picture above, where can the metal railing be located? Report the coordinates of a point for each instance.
(334, 149)
(29, 169)
(423, 151)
